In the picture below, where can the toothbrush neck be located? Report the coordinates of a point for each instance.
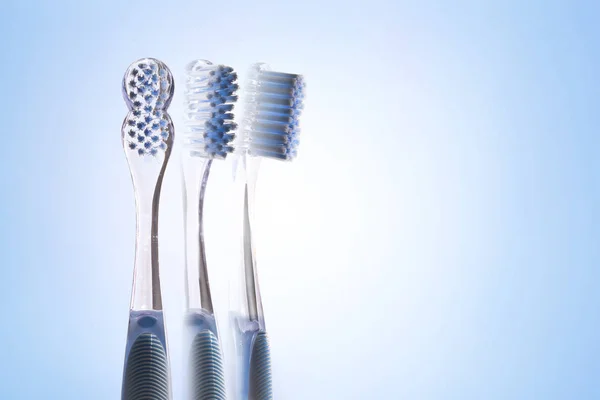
(196, 171)
(253, 298)
(146, 284)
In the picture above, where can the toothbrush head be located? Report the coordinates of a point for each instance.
(273, 107)
(210, 96)
(147, 133)
(147, 90)
(148, 85)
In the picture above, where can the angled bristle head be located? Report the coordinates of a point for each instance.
(209, 99)
(148, 84)
(274, 103)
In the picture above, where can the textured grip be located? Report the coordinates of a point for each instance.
(146, 372)
(206, 375)
(260, 387)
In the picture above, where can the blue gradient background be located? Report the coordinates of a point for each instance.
(437, 238)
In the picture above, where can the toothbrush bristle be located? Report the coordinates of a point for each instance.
(148, 85)
(147, 133)
(209, 99)
(147, 90)
(274, 104)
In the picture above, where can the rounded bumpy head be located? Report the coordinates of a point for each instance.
(273, 107)
(148, 85)
(147, 133)
(209, 99)
(147, 90)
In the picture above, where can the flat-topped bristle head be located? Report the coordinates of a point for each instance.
(210, 95)
(274, 103)
(148, 85)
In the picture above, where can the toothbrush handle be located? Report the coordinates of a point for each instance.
(146, 371)
(256, 379)
(205, 375)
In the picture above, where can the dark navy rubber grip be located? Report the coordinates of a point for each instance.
(205, 375)
(206, 368)
(260, 384)
(146, 372)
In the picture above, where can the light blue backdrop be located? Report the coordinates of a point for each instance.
(437, 237)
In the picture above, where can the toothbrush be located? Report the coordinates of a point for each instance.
(269, 130)
(209, 132)
(147, 136)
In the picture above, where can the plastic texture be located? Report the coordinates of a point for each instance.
(260, 387)
(274, 102)
(210, 95)
(205, 374)
(254, 360)
(270, 129)
(147, 134)
(146, 372)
